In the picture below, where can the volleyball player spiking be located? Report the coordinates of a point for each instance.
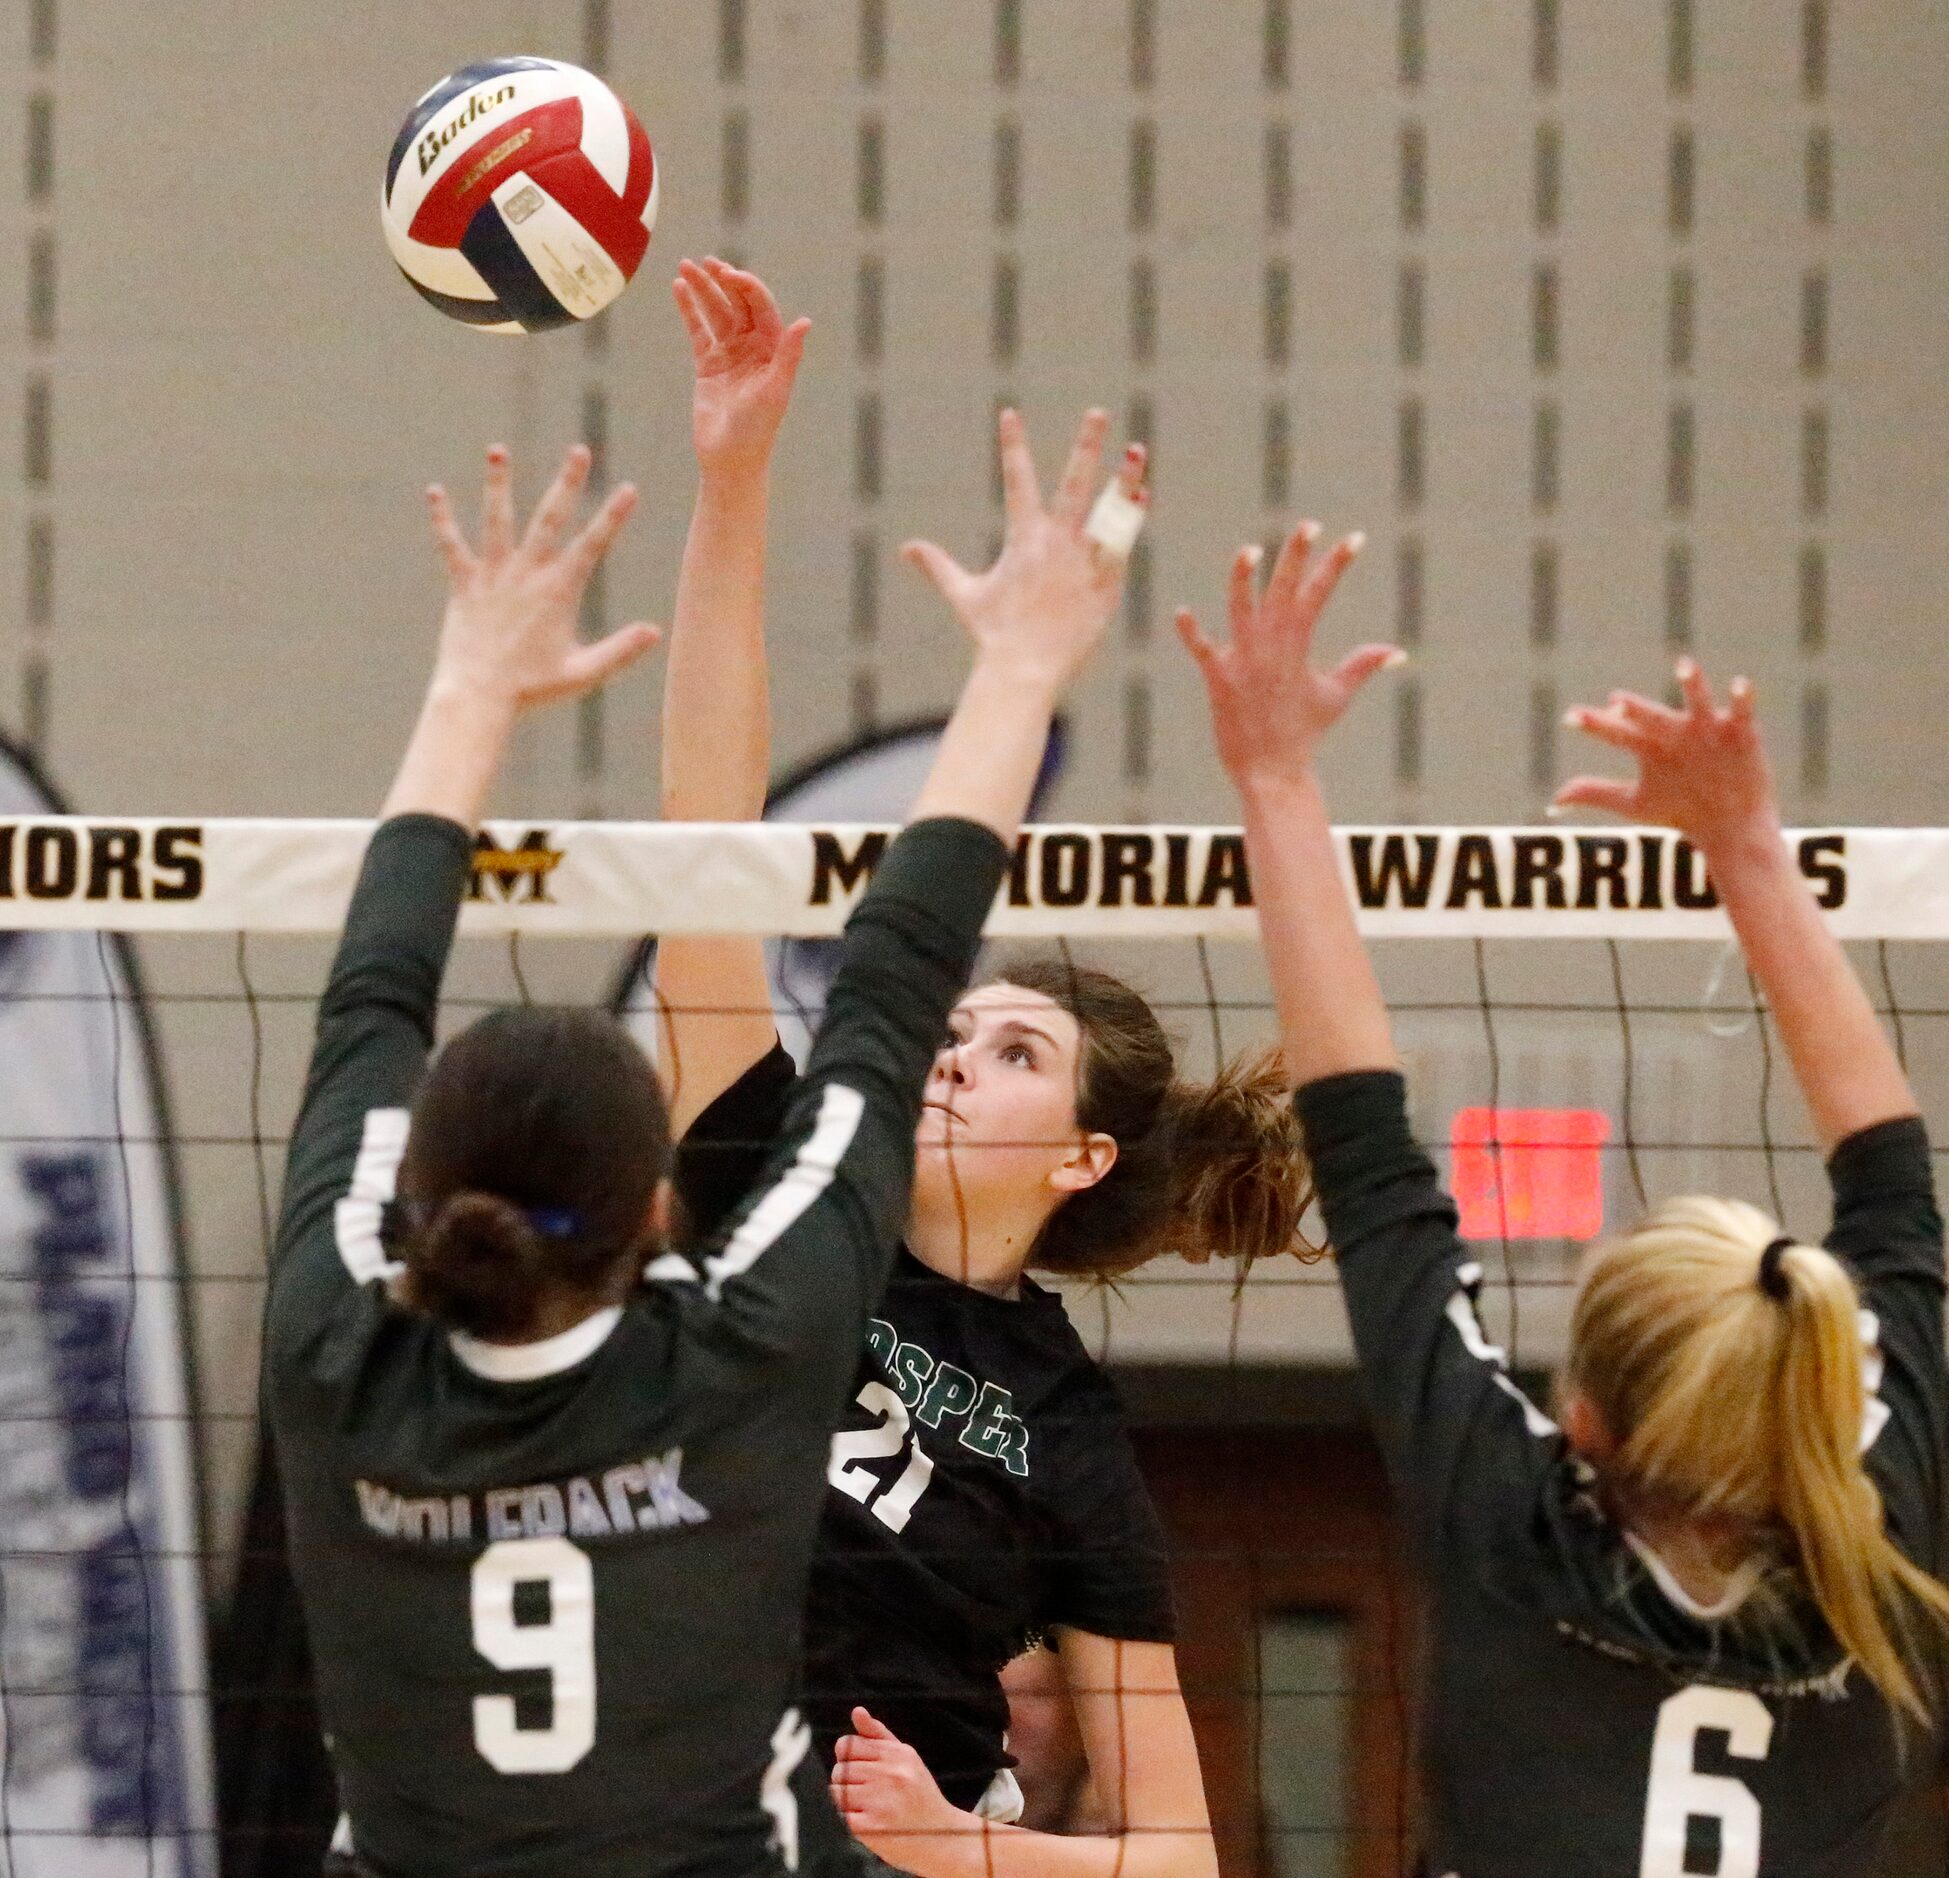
(1689, 1630)
(983, 1487)
(551, 1495)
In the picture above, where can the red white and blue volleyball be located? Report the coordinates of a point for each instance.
(520, 195)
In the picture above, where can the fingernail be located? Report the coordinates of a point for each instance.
(1394, 660)
(1684, 668)
(1255, 554)
(1309, 531)
(1355, 542)
(1556, 811)
(1573, 720)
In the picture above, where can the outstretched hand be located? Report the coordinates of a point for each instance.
(888, 1799)
(1269, 706)
(509, 634)
(1040, 611)
(1701, 770)
(746, 359)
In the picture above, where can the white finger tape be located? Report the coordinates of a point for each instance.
(1115, 522)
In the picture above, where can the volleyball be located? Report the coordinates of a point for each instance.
(520, 195)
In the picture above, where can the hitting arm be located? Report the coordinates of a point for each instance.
(715, 1001)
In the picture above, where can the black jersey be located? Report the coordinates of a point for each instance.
(1581, 1715)
(555, 1591)
(982, 1489)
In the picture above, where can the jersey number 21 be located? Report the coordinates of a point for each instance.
(850, 1446)
(1679, 1793)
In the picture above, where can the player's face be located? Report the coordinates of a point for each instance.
(1000, 1103)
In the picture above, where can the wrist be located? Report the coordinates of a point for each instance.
(1278, 788)
(735, 480)
(473, 695)
(1754, 848)
(1033, 683)
(964, 1846)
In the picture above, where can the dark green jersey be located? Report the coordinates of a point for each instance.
(1583, 1716)
(555, 1590)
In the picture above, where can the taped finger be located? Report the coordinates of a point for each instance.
(1116, 521)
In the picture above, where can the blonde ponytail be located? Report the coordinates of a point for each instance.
(1726, 1365)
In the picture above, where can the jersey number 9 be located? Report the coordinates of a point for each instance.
(564, 1644)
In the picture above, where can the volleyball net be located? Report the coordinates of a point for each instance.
(1581, 1040)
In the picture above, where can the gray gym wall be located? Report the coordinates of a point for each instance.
(1619, 324)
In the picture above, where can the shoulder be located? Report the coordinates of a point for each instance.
(1050, 1338)
(1076, 1409)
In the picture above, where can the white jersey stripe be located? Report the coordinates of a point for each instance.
(375, 1177)
(1468, 1326)
(811, 1172)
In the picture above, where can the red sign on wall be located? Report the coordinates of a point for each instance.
(1529, 1173)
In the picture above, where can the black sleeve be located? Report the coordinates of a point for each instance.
(798, 1265)
(1460, 1439)
(375, 1029)
(1109, 1568)
(729, 1145)
(1888, 1230)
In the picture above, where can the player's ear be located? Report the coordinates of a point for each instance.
(1085, 1165)
(1584, 1428)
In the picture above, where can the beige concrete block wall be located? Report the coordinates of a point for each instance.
(1232, 221)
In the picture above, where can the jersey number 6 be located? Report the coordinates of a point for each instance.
(563, 1643)
(852, 1445)
(1679, 1793)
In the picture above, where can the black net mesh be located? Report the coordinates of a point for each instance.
(1562, 1086)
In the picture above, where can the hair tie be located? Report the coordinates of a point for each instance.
(1773, 1281)
(552, 1222)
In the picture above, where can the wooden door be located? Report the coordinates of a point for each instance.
(1270, 1526)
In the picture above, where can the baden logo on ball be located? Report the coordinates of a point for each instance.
(520, 195)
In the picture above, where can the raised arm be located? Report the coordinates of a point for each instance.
(716, 1002)
(1270, 709)
(507, 642)
(1703, 771)
(507, 645)
(844, 1168)
(1054, 567)
(1455, 1430)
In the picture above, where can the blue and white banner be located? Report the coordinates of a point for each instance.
(104, 1735)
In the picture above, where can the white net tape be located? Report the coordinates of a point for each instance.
(606, 879)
